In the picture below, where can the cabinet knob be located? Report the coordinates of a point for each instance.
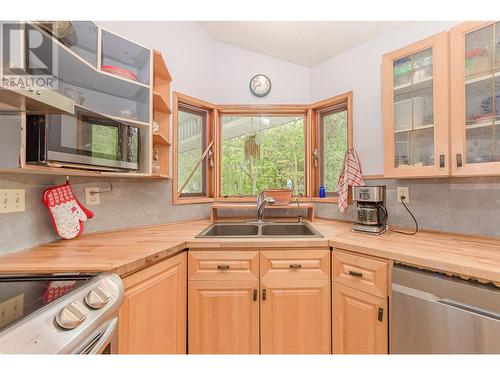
(264, 294)
(459, 160)
(255, 294)
(97, 298)
(380, 314)
(72, 315)
(223, 267)
(295, 266)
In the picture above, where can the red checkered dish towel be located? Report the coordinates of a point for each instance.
(350, 175)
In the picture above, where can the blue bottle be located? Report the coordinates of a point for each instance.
(322, 192)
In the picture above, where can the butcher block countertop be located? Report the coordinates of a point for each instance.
(127, 251)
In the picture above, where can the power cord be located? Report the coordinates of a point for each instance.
(413, 217)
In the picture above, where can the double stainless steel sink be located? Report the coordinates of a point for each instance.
(258, 230)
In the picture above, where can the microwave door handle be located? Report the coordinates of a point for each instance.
(98, 346)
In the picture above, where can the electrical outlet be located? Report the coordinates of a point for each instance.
(11, 309)
(12, 200)
(92, 199)
(403, 190)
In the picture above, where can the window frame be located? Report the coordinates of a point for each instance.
(318, 110)
(260, 110)
(180, 100)
(214, 130)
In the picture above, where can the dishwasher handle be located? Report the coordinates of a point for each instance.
(444, 301)
(469, 309)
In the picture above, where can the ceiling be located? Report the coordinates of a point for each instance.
(306, 43)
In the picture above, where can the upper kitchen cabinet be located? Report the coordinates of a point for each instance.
(475, 98)
(125, 59)
(415, 109)
(81, 37)
(94, 69)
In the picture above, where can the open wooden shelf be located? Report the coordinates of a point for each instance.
(160, 139)
(160, 68)
(161, 115)
(159, 103)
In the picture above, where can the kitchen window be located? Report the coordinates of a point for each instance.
(233, 152)
(193, 150)
(262, 150)
(332, 136)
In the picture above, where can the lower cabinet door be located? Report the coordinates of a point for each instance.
(359, 322)
(223, 317)
(295, 317)
(153, 314)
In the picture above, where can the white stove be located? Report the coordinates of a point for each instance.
(49, 314)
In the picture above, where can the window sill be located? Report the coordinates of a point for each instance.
(252, 199)
(325, 200)
(193, 200)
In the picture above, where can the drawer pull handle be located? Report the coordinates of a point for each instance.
(264, 294)
(223, 267)
(355, 274)
(295, 266)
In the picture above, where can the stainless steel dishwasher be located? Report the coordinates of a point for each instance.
(435, 313)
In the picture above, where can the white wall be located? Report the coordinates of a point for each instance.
(214, 71)
(234, 67)
(220, 73)
(187, 48)
(358, 70)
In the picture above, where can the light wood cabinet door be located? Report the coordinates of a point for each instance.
(475, 98)
(152, 317)
(359, 322)
(415, 109)
(295, 317)
(223, 317)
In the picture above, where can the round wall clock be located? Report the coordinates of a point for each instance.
(260, 85)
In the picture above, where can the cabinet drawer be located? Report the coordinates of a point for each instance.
(295, 264)
(223, 265)
(360, 272)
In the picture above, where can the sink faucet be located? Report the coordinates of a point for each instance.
(261, 203)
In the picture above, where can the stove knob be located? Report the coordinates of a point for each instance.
(97, 298)
(72, 315)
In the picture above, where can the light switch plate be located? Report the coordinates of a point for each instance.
(92, 199)
(12, 200)
(403, 190)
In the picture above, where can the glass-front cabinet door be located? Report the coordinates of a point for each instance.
(475, 98)
(415, 109)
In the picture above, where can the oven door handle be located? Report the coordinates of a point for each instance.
(101, 341)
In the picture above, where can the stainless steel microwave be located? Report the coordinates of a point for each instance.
(84, 140)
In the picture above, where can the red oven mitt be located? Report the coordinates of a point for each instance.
(66, 212)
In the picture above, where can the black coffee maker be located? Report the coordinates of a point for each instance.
(371, 214)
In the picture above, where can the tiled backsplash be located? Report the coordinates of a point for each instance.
(133, 202)
(458, 205)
